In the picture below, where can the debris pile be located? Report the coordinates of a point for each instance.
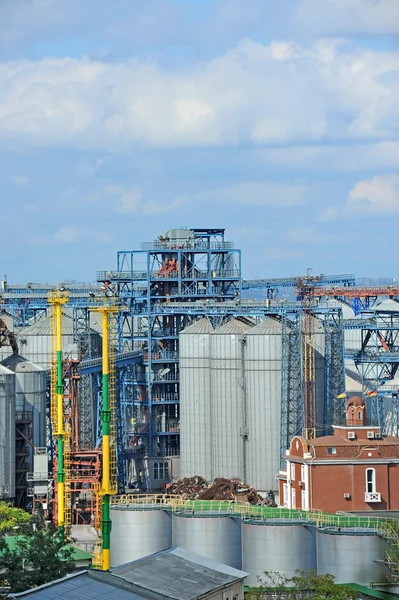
(230, 490)
(188, 488)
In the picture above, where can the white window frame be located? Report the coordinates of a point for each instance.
(292, 471)
(286, 496)
(371, 486)
(333, 450)
(303, 473)
(160, 470)
(293, 498)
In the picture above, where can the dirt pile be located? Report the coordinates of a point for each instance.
(230, 490)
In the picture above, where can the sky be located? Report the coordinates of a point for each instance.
(278, 121)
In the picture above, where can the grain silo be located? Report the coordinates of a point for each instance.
(35, 342)
(195, 400)
(7, 433)
(227, 400)
(30, 394)
(263, 354)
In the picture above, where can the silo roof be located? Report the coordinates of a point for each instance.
(19, 364)
(387, 305)
(233, 326)
(5, 371)
(201, 326)
(266, 327)
(43, 327)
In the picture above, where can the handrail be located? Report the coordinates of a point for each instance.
(384, 525)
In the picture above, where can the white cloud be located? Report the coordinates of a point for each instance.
(249, 194)
(335, 158)
(348, 16)
(377, 196)
(126, 200)
(67, 234)
(252, 94)
(20, 180)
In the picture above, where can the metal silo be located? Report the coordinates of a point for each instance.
(195, 400)
(366, 551)
(214, 535)
(263, 390)
(35, 341)
(30, 394)
(227, 421)
(7, 433)
(274, 546)
(138, 532)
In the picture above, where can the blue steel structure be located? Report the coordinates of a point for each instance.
(169, 283)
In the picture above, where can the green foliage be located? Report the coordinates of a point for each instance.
(40, 556)
(305, 585)
(12, 517)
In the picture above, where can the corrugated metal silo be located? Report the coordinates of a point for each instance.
(30, 393)
(281, 547)
(7, 433)
(366, 551)
(320, 363)
(263, 389)
(195, 400)
(227, 374)
(215, 536)
(138, 532)
(36, 342)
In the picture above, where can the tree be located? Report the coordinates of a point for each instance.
(38, 556)
(11, 517)
(305, 585)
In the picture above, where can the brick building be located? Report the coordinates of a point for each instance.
(354, 469)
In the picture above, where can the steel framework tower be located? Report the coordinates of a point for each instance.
(181, 266)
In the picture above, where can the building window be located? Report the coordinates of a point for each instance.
(292, 472)
(331, 450)
(285, 493)
(303, 473)
(370, 481)
(359, 415)
(161, 470)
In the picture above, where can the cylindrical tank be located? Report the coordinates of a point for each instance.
(214, 535)
(276, 546)
(263, 391)
(195, 400)
(351, 555)
(30, 394)
(7, 433)
(138, 532)
(36, 340)
(227, 374)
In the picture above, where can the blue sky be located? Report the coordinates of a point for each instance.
(276, 120)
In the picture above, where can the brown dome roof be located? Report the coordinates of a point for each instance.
(355, 401)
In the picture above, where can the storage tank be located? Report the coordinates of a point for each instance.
(7, 433)
(366, 551)
(263, 390)
(36, 341)
(276, 546)
(227, 375)
(214, 535)
(30, 394)
(138, 531)
(195, 400)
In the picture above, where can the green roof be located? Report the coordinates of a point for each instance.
(78, 554)
(371, 593)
